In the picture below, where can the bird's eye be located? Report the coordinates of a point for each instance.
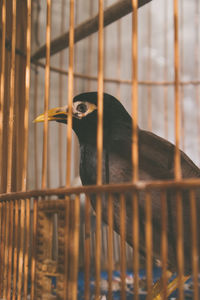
(82, 107)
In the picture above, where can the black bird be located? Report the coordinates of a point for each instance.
(156, 162)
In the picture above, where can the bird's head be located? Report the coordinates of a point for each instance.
(84, 114)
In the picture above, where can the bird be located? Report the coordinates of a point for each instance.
(155, 161)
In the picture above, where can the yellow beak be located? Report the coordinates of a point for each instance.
(54, 114)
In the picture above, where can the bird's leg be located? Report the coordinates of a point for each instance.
(171, 287)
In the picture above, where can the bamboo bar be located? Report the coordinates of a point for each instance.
(98, 246)
(111, 14)
(25, 157)
(100, 96)
(33, 253)
(46, 96)
(75, 248)
(87, 250)
(90, 189)
(110, 245)
(165, 69)
(2, 247)
(90, 49)
(164, 252)
(123, 245)
(70, 94)
(2, 88)
(35, 129)
(182, 117)
(21, 249)
(119, 56)
(10, 251)
(12, 99)
(99, 148)
(149, 67)
(135, 231)
(60, 83)
(135, 89)
(180, 257)
(69, 140)
(5, 263)
(197, 68)
(15, 259)
(177, 164)
(135, 145)
(10, 148)
(194, 245)
(149, 237)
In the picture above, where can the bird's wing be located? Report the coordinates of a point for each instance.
(156, 157)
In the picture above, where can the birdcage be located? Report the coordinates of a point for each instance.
(53, 243)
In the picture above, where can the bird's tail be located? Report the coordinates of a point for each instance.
(157, 291)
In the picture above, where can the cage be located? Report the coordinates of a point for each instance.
(130, 238)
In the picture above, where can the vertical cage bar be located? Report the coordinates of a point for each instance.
(136, 245)
(75, 247)
(149, 244)
(119, 55)
(99, 148)
(35, 129)
(164, 253)
(70, 92)
(11, 104)
(98, 246)
(135, 88)
(33, 256)
(66, 263)
(1, 241)
(10, 147)
(5, 264)
(180, 258)
(25, 156)
(197, 68)
(10, 250)
(60, 82)
(46, 95)
(21, 249)
(135, 145)
(87, 249)
(27, 90)
(182, 88)
(100, 95)
(26, 256)
(90, 39)
(2, 247)
(149, 88)
(2, 88)
(177, 165)
(69, 136)
(165, 69)
(15, 259)
(110, 245)
(123, 245)
(194, 247)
